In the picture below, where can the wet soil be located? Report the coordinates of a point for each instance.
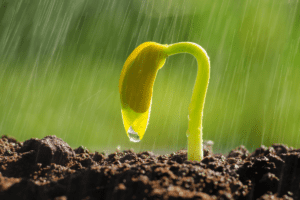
(49, 168)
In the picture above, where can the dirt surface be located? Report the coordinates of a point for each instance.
(49, 168)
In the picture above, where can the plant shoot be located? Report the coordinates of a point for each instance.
(136, 88)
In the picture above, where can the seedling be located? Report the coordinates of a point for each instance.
(136, 87)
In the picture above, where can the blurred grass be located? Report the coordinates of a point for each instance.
(61, 61)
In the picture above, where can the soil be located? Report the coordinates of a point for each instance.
(49, 168)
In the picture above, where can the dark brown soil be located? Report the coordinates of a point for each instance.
(50, 169)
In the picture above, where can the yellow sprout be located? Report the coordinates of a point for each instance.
(136, 88)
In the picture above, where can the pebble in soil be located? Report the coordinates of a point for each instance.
(49, 168)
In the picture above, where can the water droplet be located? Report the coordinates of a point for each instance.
(187, 133)
(133, 136)
(118, 148)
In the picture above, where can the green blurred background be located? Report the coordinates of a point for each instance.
(60, 64)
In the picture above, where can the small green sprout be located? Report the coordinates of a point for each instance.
(136, 88)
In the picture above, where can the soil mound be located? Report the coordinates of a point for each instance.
(49, 168)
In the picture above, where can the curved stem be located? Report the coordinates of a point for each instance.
(194, 132)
